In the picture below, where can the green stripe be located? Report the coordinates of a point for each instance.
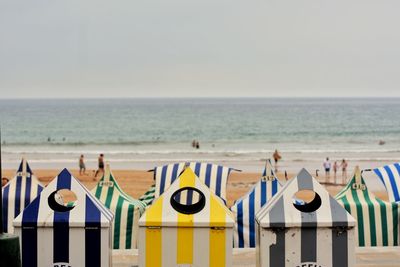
(384, 222)
(346, 204)
(110, 193)
(98, 190)
(360, 219)
(117, 222)
(129, 227)
(395, 211)
(371, 213)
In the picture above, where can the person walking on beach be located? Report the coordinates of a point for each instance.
(100, 165)
(327, 167)
(276, 157)
(335, 168)
(82, 166)
(344, 171)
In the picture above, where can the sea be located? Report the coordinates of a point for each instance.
(238, 132)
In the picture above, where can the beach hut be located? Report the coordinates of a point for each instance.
(318, 232)
(175, 234)
(390, 176)
(53, 234)
(18, 193)
(246, 208)
(214, 176)
(127, 210)
(377, 220)
(148, 197)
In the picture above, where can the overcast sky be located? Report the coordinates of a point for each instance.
(158, 48)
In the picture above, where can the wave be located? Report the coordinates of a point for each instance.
(225, 153)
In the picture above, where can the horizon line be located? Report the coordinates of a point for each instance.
(197, 97)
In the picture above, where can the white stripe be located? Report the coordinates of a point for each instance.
(293, 247)
(324, 246)
(45, 246)
(76, 246)
(169, 240)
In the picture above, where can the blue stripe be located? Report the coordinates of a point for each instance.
(264, 173)
(28, 169)
(378, 172)
(252, 221)
(219, 181)
(163, 177)
(174, 172)
(29, 234)
(17, 206)
(39, 189)
(240, 224)
(393, 183)
(28, 191)
(274, 187)
(208, 175)
(189, 197)
(263, 193)
(61, 224)
(92, 235)
(197, 169)
(20, 166)
(5, 208)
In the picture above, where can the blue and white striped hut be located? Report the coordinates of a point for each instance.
(54, 234)
(390, 176)
(18, 193)
(214, 176)
(246, 208)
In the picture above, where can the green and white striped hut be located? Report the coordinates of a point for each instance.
(148, 197)
(377, 220)
(127, 210)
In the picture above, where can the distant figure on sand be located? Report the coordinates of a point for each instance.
(4, 181)
(101, 165)
(197, 145)
(327, 167)
(276, 157)
(344, 171)
(82, 166)
(335, 168)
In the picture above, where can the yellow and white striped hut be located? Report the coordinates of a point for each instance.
(175, 234)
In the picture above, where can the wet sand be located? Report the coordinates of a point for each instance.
(137, 182)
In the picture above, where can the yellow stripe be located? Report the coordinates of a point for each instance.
(153, 235)
(185, 225)
(217, 236)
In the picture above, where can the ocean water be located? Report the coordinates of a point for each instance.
(143, 132)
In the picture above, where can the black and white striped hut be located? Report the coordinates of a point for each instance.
(318, 232)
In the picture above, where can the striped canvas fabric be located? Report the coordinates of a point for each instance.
(18, 193)
(245, 209)
(214, 176)
(203, 237)
(53, 235)
(377, 220)
(318, 233)
(390, 176)
(148, 197)
(127, 210)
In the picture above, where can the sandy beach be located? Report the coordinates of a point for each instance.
(137, 182)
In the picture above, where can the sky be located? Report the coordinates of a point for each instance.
(207, 48)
